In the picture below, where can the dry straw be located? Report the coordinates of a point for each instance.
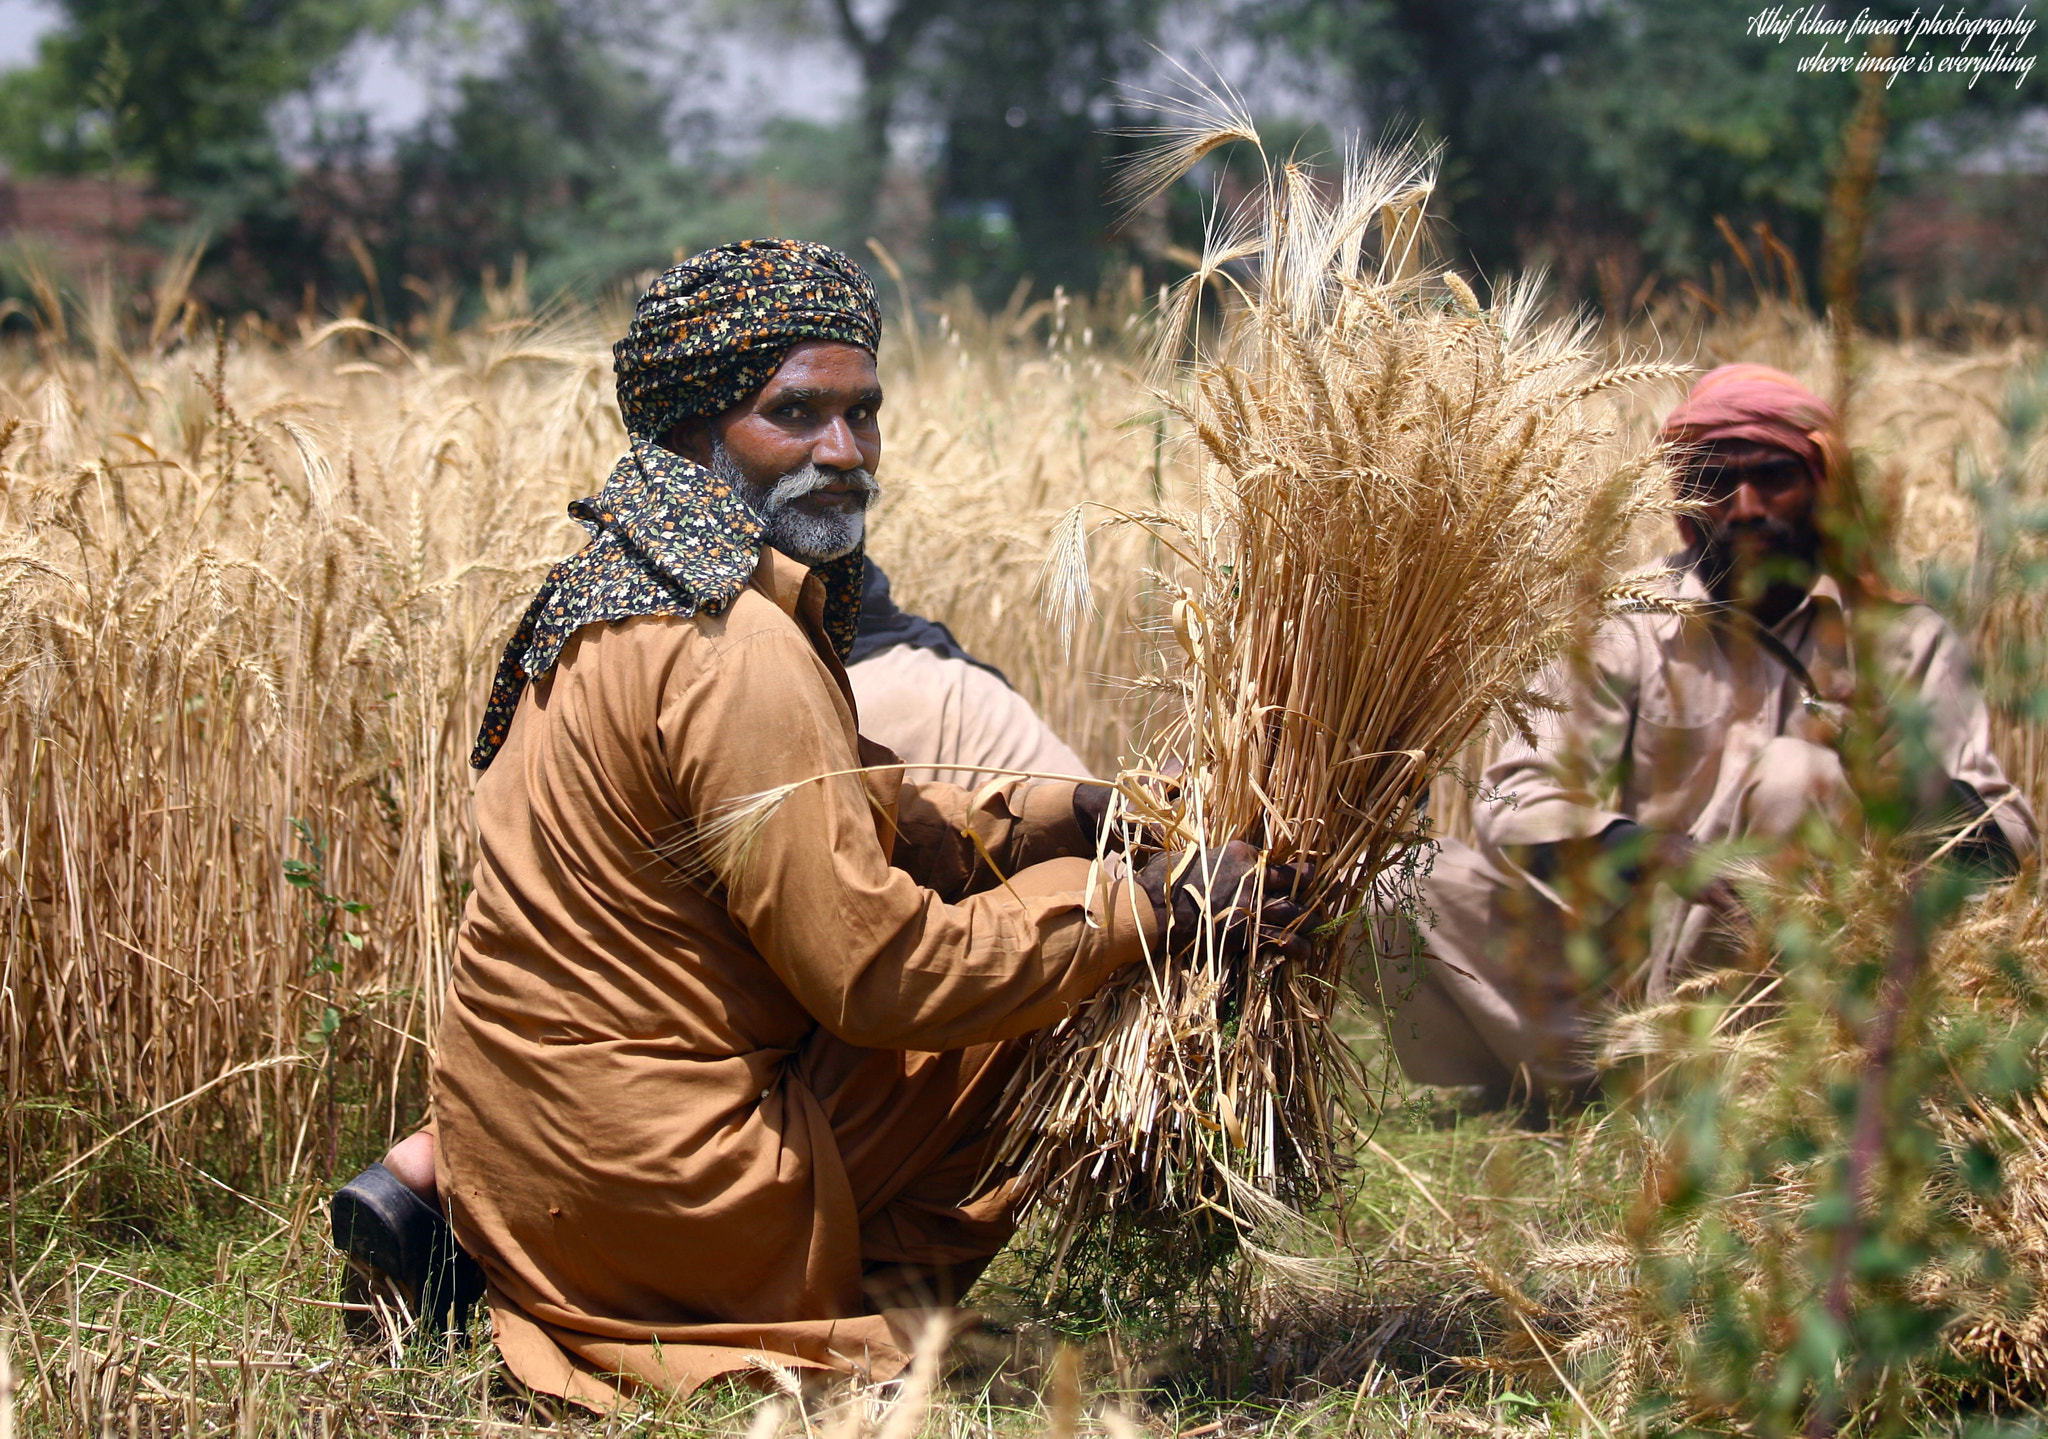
(1408, 506)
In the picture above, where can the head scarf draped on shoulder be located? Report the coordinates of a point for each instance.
(667, 536)
(1768, 407)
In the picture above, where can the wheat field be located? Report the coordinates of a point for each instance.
(253, 585)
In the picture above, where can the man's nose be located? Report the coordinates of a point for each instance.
(836, 448)
(1746, 504)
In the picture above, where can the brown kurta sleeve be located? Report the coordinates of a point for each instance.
(1019, 823)
(878, 960)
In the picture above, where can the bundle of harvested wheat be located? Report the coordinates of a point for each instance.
(1408, 502)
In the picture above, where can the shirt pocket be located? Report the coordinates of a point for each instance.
(1682, 719)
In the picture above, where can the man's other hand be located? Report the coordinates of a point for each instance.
(1674, 858)
(1091, 813)
(1232, 891)
(1092, 807)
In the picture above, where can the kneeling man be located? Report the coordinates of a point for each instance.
(1676, 732)
(689, 1119)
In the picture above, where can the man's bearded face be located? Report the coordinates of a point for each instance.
(1780, 550)
(812, 514)
(1755, 529)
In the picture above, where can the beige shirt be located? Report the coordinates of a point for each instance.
(1662, 723)
(935, 712)
(678, 1120)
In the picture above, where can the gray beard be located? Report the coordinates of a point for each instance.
(811, 539)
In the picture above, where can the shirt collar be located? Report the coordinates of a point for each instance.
(781, 578)
(1825, 589)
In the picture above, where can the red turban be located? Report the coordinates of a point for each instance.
(1766, 407)
(1769, 407)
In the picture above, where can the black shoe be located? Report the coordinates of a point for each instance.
(392, 1237)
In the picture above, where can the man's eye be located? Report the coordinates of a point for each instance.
(860, 414)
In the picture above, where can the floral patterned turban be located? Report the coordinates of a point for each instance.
(667, 536)
(711, 331)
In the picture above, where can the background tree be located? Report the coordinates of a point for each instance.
(1019, 94)
(1028, 90)
(566, 151)
(1616, 132)
(182, 93)
(885, 51)
(1477, 77)
(1599, 138)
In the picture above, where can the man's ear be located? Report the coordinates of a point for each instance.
(691, 439)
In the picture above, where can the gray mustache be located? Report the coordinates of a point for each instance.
(813, 476)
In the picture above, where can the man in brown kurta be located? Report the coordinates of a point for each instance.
(702, 1106)
(1677, 733)
(679, 1127)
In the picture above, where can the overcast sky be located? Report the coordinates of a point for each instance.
(21, 23)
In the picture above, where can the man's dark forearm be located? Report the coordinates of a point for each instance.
(1543, 861)
(1983, 845)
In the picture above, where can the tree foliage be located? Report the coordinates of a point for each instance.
(565, 151)
(1019, 93)
(181, 93)
(1617, 129)
(1027, 91)
(1599, 138)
